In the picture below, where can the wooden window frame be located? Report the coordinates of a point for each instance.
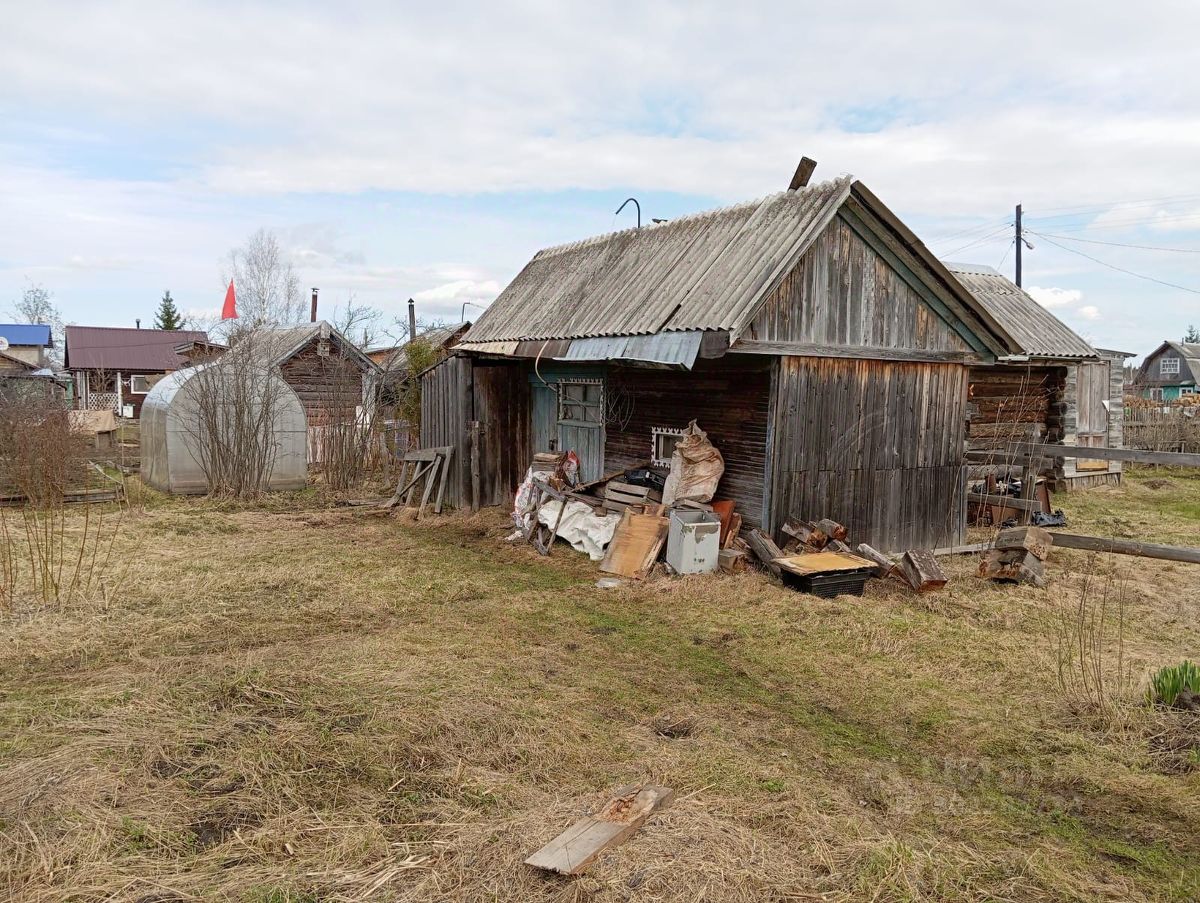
(144, 377)
(1162, 366)
(656, 433)
(563, 385)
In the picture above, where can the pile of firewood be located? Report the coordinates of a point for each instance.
(917, 567)
(1018, 556)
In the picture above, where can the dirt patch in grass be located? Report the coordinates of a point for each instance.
(301, 703)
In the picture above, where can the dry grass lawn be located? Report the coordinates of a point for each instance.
(289, 703)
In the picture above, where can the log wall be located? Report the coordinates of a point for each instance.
(1014, 403)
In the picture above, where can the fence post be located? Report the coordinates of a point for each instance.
(475, 452)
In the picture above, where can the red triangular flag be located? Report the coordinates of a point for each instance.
(229, 311)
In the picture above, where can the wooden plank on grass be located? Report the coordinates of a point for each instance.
(635, 545)
(922, 571)
(1032, 539)
(1126, 547)
(764, 550)
(576, 848)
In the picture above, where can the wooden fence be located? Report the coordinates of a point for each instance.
(1162, 426)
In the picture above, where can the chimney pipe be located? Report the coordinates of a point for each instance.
(312, 317)
(412, 319)
(803, 173)
(138, 321)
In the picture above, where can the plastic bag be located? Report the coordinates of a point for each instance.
(696, 468)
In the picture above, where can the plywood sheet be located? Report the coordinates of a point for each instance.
(823, 562)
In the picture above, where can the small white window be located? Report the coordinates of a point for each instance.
(662, 445)
(139, 385)
(1169, 366)
(1187, 390)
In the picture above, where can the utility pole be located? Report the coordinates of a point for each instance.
(1020, 239)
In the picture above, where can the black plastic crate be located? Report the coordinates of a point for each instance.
(834, 583)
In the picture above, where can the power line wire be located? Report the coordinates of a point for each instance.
(979, 241)
(1011, 242)
(1122, 224)
(1121, 244)
(1111, 266)
(1105, 205)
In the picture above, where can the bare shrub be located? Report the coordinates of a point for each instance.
(237, 410)
(1090, 644)
(346, 435)
(49, 553)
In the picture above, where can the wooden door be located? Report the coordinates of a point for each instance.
(1091, 423)
(544, 418)
(581, 424)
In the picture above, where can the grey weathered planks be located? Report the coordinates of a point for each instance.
(875, 445)
(844, 294)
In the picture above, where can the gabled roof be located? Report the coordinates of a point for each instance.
(36, 334)
(706, 271)
(110, 348)
(291, 339)
(1190, 352)
(440, 337)
(9, 363)
(1038, 332)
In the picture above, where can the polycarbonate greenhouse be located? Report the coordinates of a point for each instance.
(171, 418)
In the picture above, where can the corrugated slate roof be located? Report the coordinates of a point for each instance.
(37, 334)
(699, 272)
(1037, 332)
(111, 348)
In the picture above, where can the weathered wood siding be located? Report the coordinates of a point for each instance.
(876, 445)
(500, 398)
(326, 384)
(446, 410)
(1088, 385)
(460, 390)
(730, 400)
(1014, 403)
(844, 293)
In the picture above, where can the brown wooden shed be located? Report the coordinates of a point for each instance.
(814, 338)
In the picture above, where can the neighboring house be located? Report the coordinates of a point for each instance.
(114, 368)
(814, 338)
(1170, 372)
(26, 342)
(335, 380)
(19, 379)
(393, 358)
(1055, 388)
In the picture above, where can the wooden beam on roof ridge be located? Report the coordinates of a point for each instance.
(803, 173)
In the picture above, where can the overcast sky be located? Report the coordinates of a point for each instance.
(429, 150)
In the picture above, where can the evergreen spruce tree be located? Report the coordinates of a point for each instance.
(1193, 335)
(168, 316)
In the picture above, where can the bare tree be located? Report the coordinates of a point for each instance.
(268, 289)
(360, 323)
(36, 305)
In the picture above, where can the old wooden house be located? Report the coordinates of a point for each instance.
(334, 379)
(1054, 388)
(823, 348)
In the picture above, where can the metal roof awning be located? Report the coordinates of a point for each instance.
(662, 349)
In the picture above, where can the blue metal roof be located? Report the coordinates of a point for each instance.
(26, 334)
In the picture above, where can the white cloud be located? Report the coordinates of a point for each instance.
(1054, 297)
(1089, 312)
